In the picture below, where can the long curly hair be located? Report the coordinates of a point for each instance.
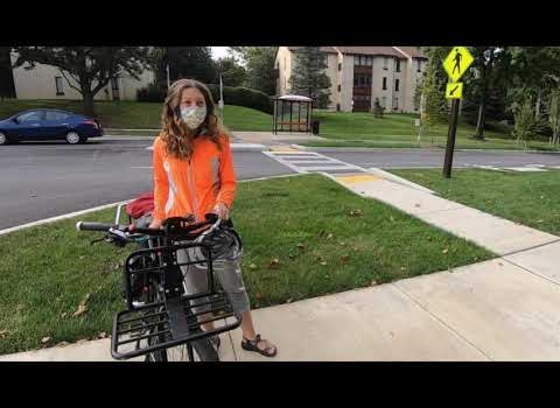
(176, 135)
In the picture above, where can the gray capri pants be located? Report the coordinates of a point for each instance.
(226, 271)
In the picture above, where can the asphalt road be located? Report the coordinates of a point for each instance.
(43, 180)
(420, 158)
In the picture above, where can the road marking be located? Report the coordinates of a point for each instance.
(58, 218)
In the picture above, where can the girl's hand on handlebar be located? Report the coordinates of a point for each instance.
(155, 224)
(221, 211)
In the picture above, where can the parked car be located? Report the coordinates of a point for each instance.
(48, 124)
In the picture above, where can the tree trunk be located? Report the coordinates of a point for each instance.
(89, 109)
(555, 138)
(479, 134)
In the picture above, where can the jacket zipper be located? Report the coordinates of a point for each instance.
(193, 190)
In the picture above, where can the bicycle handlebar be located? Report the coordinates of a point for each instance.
(172, 227)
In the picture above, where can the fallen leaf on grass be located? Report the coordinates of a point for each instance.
(446, 250)
(355, 213)
(252, 266)
(81, 310)
(275, 263)
(300, 246)
(45, 340)
(324, 263)
(63, 315)
(82, 307)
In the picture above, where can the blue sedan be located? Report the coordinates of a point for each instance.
(48, 124)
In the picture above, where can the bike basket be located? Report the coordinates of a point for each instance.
(167, 318)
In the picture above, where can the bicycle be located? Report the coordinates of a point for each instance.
(159, 319)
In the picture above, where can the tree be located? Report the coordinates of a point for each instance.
(232, 73)
(183, 62)
(525, 122)
(309, 77)
(86, 69)
(554, 115)
(259, 63)
(432, 88)
(491, 68)
(6, 74)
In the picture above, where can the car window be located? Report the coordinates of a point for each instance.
(54, 115)
(30, 116)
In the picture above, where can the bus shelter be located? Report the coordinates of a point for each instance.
(292, 113)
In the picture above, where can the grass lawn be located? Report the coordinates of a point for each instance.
(398, 130)
(342, 129)
(300, 242)
(140, 115)
(528, 198)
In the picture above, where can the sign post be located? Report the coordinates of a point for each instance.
(456, 64)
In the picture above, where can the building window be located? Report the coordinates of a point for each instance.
(384, 101)
(340, 66)
(397, 65)
(59, 86)
(396, 85)
(385, 63)
(384, 83)
(395, 103)
(418, 65)
(339, 88)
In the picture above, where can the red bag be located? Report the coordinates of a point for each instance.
(140, 206)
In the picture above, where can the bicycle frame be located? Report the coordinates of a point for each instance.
(167, 318)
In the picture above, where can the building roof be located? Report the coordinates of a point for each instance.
(399, 52)
(329, 50)
(411, 52)
(385, 51)
(299, 98)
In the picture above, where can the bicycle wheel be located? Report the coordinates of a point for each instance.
(202, 349)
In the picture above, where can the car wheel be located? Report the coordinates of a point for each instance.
(4, 139)
(73, 137)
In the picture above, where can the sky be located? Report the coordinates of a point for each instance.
(218, 52)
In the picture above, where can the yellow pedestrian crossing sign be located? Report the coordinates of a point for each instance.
(454, 90)
(457, 62)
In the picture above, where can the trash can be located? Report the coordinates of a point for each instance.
(315, 127)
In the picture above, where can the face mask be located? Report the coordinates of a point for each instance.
(193, 117)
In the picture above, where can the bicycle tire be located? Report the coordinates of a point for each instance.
(202, 348)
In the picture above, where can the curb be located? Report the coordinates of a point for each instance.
(58, 218)
(435, 148)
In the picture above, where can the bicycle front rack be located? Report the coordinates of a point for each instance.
(172, 321)
(152, 327)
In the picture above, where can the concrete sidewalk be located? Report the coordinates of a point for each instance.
(503, 309)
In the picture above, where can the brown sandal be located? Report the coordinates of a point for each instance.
(253, 345)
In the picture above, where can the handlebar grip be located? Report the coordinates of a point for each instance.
(93, 226)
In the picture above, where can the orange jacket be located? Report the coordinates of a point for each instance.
(195, 186)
